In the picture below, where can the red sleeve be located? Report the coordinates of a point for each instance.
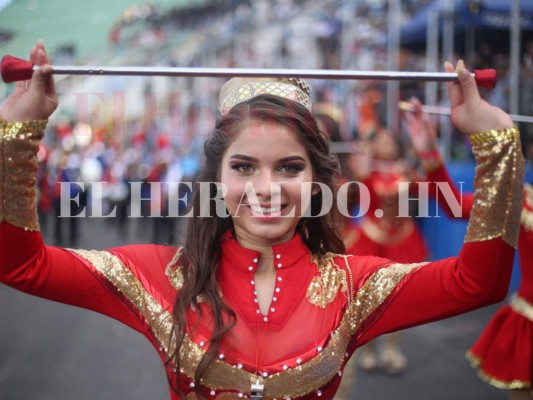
(58, 274)
(479, 276)
(440, 176)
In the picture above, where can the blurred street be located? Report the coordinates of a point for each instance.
(55, 352)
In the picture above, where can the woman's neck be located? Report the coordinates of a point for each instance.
(263, 246)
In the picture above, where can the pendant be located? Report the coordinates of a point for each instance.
(257, 390)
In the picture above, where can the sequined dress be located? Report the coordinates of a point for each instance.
(323, 307)
(503, 353)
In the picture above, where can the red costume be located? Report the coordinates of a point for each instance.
(380, 232)
(323, 308)
(503, 353)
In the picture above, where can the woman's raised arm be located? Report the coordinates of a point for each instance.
(480, 274)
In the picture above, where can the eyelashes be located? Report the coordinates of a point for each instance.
(292, 169)
(288, 169)
(241, 167)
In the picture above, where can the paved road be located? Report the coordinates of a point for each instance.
(50, 351)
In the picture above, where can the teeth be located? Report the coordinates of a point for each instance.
(265, 210)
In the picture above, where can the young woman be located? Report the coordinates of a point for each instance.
(503, 353)
(260, 302)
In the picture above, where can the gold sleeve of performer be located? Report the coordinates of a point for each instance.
(498, 186)
(19, 144)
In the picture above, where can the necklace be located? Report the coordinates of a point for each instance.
(257, 388)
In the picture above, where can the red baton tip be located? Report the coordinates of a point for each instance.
(485, 77)
(15, 69)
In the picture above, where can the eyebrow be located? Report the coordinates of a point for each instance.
(253, 159)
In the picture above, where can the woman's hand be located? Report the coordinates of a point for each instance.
(470, 113)
(421, 130)
(35, 98)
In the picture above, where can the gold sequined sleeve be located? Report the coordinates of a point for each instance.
(498, 186)
(19, 143)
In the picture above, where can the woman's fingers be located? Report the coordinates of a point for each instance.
(39, 80)
(20, 85)
(42, 81)
(46, 71)
(455, 93)
(468, 84)
(42, 56)
(469, 112)
(464, 90)
(33, 55)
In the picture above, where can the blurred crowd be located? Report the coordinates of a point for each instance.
(151, 130)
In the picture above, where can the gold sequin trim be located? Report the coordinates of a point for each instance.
(253, 89)
(174, 272)
(375, 290)
(118, 274)
(494, 135)
(324, 287)
(522, 306)
(220, 375)
(294, 382)
(231, 396)
(500, 384)
(19, 144)
(498, 186)
(526, 218)
(195, 396)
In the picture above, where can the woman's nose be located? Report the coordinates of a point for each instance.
(266, 186)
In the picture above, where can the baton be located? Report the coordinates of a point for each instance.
(15, 69)
(438, 110)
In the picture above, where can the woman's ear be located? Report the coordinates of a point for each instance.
(315, 190)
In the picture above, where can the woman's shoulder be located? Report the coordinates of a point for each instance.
(354, 270)
(156, 256)
(363, 270)
(157, 267)
(357, 264)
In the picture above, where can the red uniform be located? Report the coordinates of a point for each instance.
(503, 353)
(323, 308)
(380, 232)
(134, 285)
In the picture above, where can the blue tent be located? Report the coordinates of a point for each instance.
(481, 14)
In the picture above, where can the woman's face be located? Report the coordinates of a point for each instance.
(385, 147)
(267, 172)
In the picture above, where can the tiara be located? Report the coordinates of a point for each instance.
(289, 88)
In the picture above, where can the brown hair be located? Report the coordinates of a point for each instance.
(201, 253)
